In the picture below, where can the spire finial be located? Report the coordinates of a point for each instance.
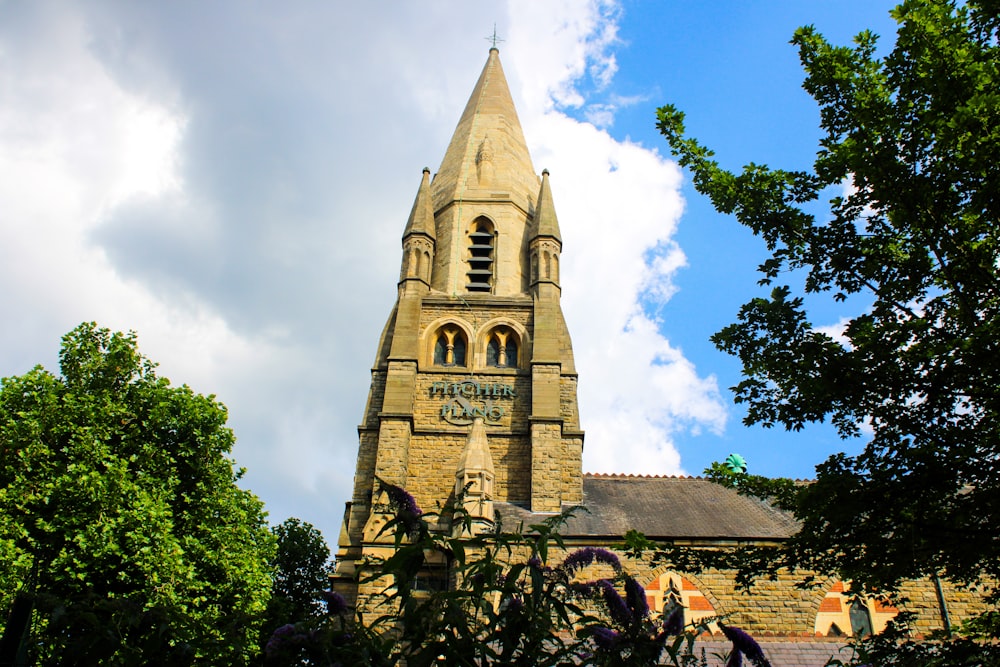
(493, 38)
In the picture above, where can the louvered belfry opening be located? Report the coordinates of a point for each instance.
(481, 255)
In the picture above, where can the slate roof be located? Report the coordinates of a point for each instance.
(799, 652)
(676, 508)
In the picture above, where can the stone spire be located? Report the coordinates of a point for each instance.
(488, 142)
(475, 476)
(545, 245)
(418, 238)
(546, 223)
(484, 196)
(471, 332)
(422, 215)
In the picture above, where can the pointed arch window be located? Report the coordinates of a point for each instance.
(502, 348)
(450, 347)
(842, 613)
(671, 590)
(861, 618)
(481, 256)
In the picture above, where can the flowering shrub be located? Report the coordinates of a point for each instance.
(506, 605)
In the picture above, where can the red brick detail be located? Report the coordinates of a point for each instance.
(830, 604)
(838, 587)
(651, 601)
(882, 608)
(699, 603)
(654, 585)
(687, 585)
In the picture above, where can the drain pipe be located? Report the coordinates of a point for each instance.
(943, 604)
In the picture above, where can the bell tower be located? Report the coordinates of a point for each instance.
(474, 377)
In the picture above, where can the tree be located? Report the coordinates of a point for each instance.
(912, 143)
(301, 572)
(912, 147)
(123, 534)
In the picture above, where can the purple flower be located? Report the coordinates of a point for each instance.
(617, 608)
(335, 602)
(514, 604)
(605, 638)
(284, 636)
(407, 512)
(735, 659)
(745, 644)
(401, 500)
(674, 625)
(635, 595)
(581, 558)
(535, 562)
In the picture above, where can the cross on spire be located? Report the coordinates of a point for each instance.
(493, 38)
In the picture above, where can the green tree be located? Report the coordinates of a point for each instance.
(911, 149)
(124, 538)
(912, 144)
(301, 571)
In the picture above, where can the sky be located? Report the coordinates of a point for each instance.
(231, 179)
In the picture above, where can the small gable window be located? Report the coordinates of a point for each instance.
(450, 347)
(502, 348)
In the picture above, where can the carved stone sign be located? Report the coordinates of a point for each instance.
(466, 400)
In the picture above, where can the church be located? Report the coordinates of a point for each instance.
(474, 387)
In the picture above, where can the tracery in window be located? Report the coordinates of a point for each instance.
(502, 348)
(671, 590)
(450, 347)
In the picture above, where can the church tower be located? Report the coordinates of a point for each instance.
(474, 384)
(473, 403)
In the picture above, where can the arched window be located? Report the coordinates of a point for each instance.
(481, 242)
(861, 618)
(459, 351)
(841, 613)
(493, 352)
(502, 348)
(671, 590)
(450, 347)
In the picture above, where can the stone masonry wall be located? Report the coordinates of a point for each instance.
(780, 609)
(429, 399)
(434, 459)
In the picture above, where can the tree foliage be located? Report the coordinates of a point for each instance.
(124, 538)
(912, 145)
(301, 573)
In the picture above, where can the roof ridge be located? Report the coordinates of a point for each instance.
(631, 475)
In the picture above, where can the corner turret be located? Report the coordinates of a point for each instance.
(546, 243)
(419, 237)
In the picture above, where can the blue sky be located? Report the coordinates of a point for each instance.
(231, 180)
(738, 80)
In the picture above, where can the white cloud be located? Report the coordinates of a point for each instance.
(233, 188)
(148, 153)
(618, 205)
(837, 330)
(553, 44)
